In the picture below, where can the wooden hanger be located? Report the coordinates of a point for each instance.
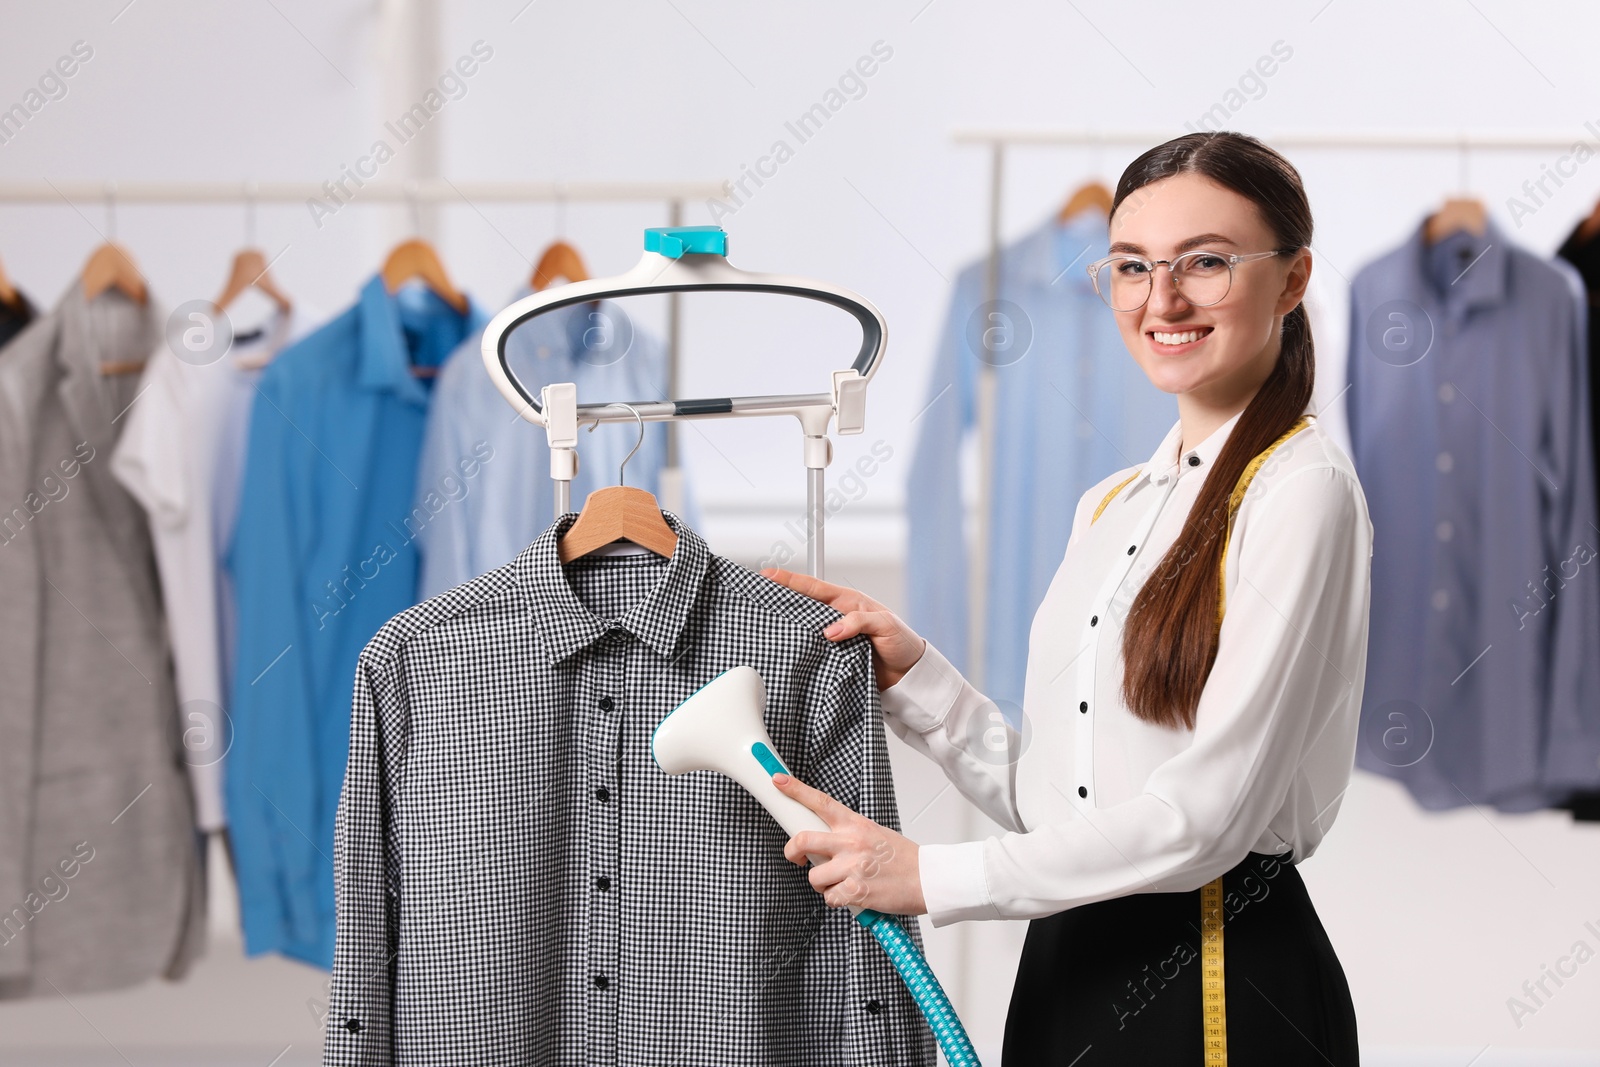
(1591, 225)
(1090, 196)
(416, 260)
(8, 292)
(111, 267)
(619, 512)
(249, 271)
(560, 260)
(1458, 213)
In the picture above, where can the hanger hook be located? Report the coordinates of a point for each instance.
(251, 190)
(622, 470)
(416, 213)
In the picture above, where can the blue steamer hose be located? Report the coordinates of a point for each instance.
(924, 986)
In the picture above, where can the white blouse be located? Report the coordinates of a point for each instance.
(1100, 804)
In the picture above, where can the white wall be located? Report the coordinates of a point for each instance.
(1439, 919)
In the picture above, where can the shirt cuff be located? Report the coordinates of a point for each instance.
(954, 887)
(923, 697)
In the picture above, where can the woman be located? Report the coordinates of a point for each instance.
(1194, 674)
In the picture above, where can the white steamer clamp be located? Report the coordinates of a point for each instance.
(693, 259)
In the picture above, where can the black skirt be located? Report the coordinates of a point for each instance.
(1118, 982)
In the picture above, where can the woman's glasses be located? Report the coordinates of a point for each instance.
(1202, 277)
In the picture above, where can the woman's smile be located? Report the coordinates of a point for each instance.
(1177, 342)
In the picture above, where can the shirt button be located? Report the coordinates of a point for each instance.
(601, 981)
(602, 883)
(352, 1025)
(1131, 548)
(1083, 791)
(1447, 393)
(1444, 462)
(606, 704)
(873, 1007)
(1441, 599)
(1094, 620)
(1083, 706)
(602, 794)
(1445, 531)
(1194, 461)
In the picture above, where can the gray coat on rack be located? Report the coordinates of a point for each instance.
(100, 881)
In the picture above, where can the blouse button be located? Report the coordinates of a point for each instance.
(606, 704)
(1131, 548)
(1194, 461)
(873, 1007)
(1083, 705)
(601, 981)
(1082, 791)
(602, 794)
(1094, 620)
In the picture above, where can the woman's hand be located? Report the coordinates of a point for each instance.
(865, 865)
(895, 646)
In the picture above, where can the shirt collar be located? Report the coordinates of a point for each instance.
(1166, 463)
(1462, 271)
(414, 324)
(566, 625)
(1053, 254)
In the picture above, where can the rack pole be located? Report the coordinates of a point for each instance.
(672, 493)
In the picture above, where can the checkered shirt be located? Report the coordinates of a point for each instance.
(519, 883)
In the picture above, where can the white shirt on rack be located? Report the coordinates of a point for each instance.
(1100, 804)
(181, 455)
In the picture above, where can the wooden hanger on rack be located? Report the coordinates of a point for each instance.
(560, 260)
(1458, 213)
(1590, 226)
(416, 260)
(1090, 196)
(8, 292)
(619, 512)
(249, 271)
(111, 267)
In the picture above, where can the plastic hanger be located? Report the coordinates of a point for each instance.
(1458, 213)
(1090, 196)
(619, 512)
(560, 260)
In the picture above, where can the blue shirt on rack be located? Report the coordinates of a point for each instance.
(1470, 429)
(1071, 407)
(323, 554)
(484, 478)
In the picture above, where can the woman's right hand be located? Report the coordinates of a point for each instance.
(895, 646)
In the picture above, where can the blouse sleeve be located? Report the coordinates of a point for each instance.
(1287, 678)
(936, 711)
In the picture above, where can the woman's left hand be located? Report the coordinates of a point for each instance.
(864, 864)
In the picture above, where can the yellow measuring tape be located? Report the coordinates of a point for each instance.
(1213, 986)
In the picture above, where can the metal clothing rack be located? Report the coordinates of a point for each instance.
(414, 192)
(998, 140)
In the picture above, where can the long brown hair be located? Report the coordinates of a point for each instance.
(1171, 637)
